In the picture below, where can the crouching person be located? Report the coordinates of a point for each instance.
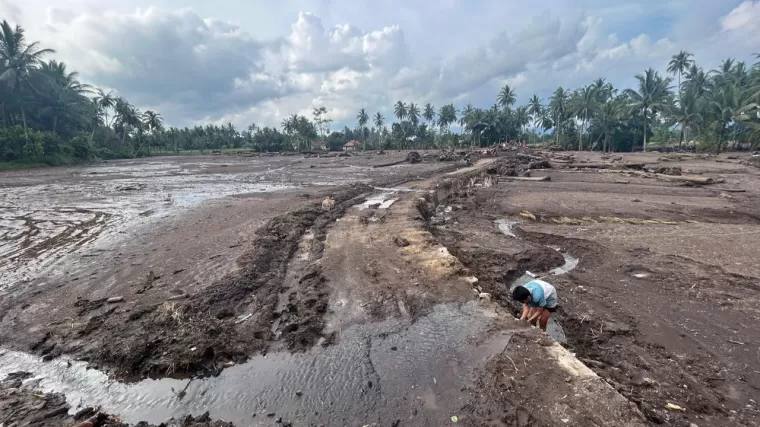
(539, 301)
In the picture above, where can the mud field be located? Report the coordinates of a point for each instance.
(664, 302)
(156, 289)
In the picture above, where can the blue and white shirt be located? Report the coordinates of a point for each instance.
(542, 294)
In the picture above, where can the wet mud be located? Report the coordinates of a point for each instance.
(654, 305)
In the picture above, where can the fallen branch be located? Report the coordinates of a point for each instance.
(700, 180)
(525, 178)
(736, 342)
(390, 164)
(730, 190)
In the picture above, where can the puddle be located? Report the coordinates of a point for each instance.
(507, 226)
(379, 201)
(375, 374)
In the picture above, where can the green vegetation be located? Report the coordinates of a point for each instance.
(48, 117)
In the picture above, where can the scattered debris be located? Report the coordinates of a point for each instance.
(243, 318)
(328, 204)
(413, 157)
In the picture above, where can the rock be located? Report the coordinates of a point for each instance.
(484, 296)
(636, 200)
(328, 204)
(401, 242)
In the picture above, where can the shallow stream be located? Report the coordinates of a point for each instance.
(376, 373)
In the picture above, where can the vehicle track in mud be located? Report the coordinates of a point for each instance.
(221, 324)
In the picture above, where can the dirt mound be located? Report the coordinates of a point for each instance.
(414, 157)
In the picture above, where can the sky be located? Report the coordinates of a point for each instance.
(258, 61)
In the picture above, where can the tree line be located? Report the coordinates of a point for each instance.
(49, 116)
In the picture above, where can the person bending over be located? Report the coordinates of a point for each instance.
(539, 301)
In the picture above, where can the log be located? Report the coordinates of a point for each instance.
(390, 164)
(584, 165)
(730, 190)
(701, 180)
(526, 178)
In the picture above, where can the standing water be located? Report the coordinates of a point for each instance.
(376, 373)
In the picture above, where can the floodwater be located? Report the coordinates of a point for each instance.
(47, 214)
(376, 374)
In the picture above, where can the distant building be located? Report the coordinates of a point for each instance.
(351, 145)
(319, 145)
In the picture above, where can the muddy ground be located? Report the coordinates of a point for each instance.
(663, 304)
(386, 309)
(197, 276)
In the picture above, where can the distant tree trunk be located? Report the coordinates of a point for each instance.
(680, 140)
(645, 131)
(23, 118)
(55, 122)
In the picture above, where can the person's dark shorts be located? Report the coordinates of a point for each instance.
(552, 309)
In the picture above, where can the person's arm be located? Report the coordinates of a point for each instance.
(537, 314)
(525, 312)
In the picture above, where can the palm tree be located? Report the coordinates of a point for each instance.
(400, 110)
(380, 125)
(506, 96)
(558, 108)
(545, 120)
(585, 102)
(535, 108)
(65, 93)
(697, 79)
(105, 101)
(522, 118)
(429, 113)
(652, 95)
(466, 118)
(18, 59)
(362, 118)
(447, 115)
(679, 63)
(413, 113)
(728, 104)
(688, 114)
(609, 114)
(153, 121)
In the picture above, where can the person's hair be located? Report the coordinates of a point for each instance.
(520, 293)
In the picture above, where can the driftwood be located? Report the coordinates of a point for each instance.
(730, 190)
(700, 180)
(526, 178)
(390, 164)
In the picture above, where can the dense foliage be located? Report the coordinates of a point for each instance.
(48, 116)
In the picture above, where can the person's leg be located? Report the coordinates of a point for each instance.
(544, 319)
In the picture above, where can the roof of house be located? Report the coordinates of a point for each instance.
(352, 143)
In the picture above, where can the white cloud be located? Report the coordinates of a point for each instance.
(746, 17)
(9, 12)
(195, 69)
